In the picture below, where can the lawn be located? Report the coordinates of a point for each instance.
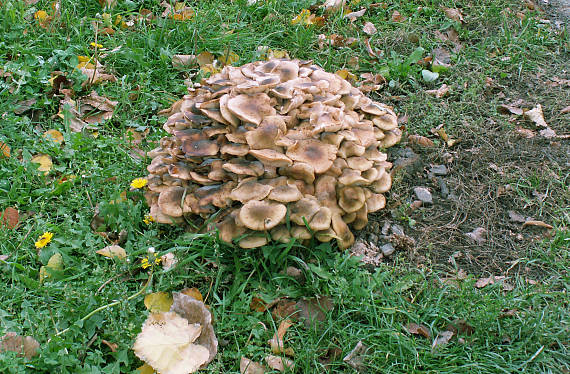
(500, 58)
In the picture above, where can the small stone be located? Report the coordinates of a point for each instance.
(443, 187)
(373, 238)
(398, 230)
(424, 195)
(386, 228)
(387, 249)
(516, 217)
(438, 170)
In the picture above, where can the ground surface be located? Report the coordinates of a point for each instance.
(465, 260)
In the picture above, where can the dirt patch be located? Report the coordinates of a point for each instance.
(557, 10)
(491, 174)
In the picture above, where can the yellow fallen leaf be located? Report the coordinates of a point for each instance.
(303, 18)
(228, 58)
(113, 251)
(55, 264)
(205, 58)
(345, 74)
(4, 150)
(193, 293)
(158, 302)
(45, 163)
(210, 68)
(277, 344)
(54, 135)
(166, 343)
(145, 369)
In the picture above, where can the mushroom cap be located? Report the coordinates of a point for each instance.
(344, 237)
(249, 189)
(280, 234)
(226, 113)
(261, 215)
(234, 149)
(244, 167)
(200, 148)
(325, 236)
(251, 108)
(300, 232)
(313, 152)
(303, 209)
(170, 201)
(271, 157)
(285, 194)
(361, 218)
(351, 177)
(160, 217)
(359, 163)
(253, 241)
(299, 170)
(383, 183)
(351, 198)
(321, 220)
(375, 202)
(392, 137)
(229, 229)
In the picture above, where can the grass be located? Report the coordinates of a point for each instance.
(369, 305)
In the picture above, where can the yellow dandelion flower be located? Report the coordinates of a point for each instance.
(138, 183)
(148, 219)
(157, 260)
(44, 239)
(95, 45)
(145, 264)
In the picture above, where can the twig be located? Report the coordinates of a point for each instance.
(92, 313)
(95, 55)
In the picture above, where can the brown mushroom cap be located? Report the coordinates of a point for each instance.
(200, 148)
(321, 220)
(253, 241)
(251, 108)
(303, 209)
(345, 238)
(351, 199)
(280, 234)
(375, 202)
(261, 215)
(229, 229)
(170, 201)
(300, 232)
(249, 189)
(299, 170)
(313, 152)
(271, 157)
(285, 194)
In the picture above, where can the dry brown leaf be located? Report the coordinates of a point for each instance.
(565, 110)
(313, 310)
(257, 305)
(537, 223)
(477, 235)
(483, 282)
(536, 116)
(347, 75)
(277, 344)
(440, 92)
(397, 17)
(509, 109)
(285, 308)
(24, 346)
(183, 61)
(525, 133)
(369, 28)
(166, 344)
(333, 5)
(508, 313)
(279, 363)
(454, 14)
(9, 217)
(414, 328)
(354, 15)
(420, 140)
(96, 75)
(113, 251)
(158, 302)
(460, 326)
(357, 357)
(44, 161)
(54, 135)
(112, 346)
(442, 339)
(23, 106)
(246, 366)
(168, 260)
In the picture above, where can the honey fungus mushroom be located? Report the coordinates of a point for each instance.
(273, 150)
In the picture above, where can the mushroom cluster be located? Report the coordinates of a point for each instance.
(274, 149)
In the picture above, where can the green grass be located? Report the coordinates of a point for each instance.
(372, 306)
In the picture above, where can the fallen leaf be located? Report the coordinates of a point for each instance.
(442, 339)
(525, 133)
(420, 140)
(257, 305)
(24, 346)
(166, 344)
(305, 17)
(145, 369)
(23, 106)
(414, 328)
(95, 74)
(277, 343)
(483, 282)
(509, 109)
(345, 74)
(10, 217)
(113, 251)
(182, 61)
(54, 264)
(330, 355)
(477, 235)
(285, 308)
(440, 92)
(95, 108)
(454, 14)
(429, 76)
(354, 15)
(193, 293)
(44, 161)
(333, 5)
(112, 346)
(369, 28)
(536, 115)
(313, 310)
(460, 326)
(228, 57)
(246, 366)
(168, 261)
(369, 49)
(356, 358)
(279, 363)
(537, 223)
(565, 110)
(508, 313)
(5, 150)
(54, 135)
(43, 18)
(441, 60)
(397, 17)
(158, 302)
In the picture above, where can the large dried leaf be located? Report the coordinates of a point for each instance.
(246, 366)
(314, 310)
(166, 344)
(54, 265)
(54, 136)
(277, 343)
(113, 251)
(357, 357)
(25, 346)
(9, 217)
(279, 363)
(414, 328)
(4, 150)
(44, 161)
(158, 302)
(442, 339)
